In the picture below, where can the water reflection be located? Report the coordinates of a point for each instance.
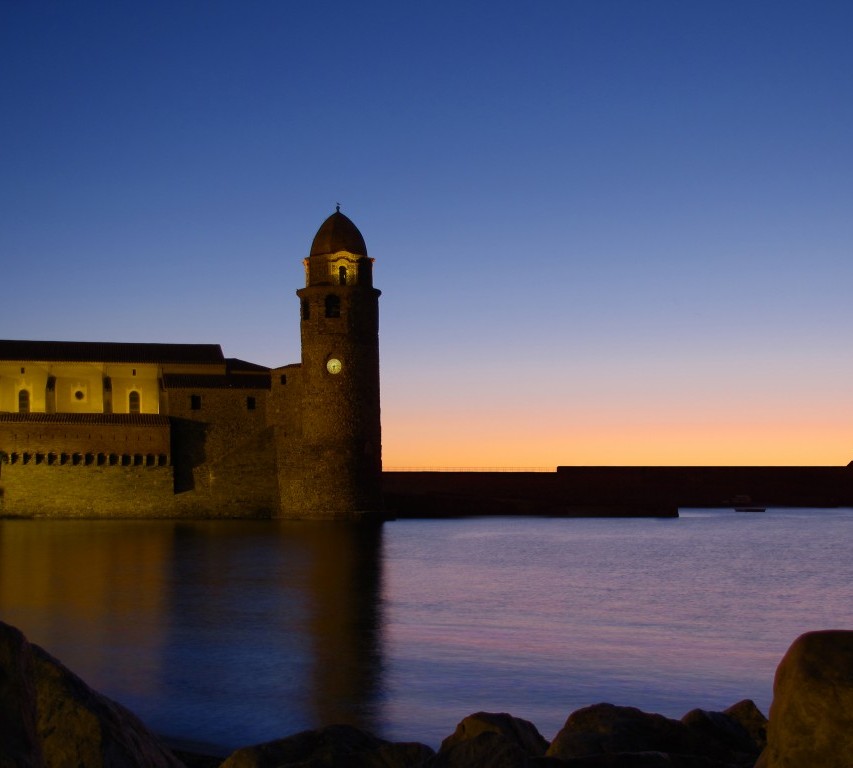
(179, 618)
(233, 633)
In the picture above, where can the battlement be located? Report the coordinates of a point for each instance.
(86, 439)
(86, 459)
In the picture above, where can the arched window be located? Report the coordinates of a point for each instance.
(133, 402)
(342, 275)
(23, 401)
(333, 306)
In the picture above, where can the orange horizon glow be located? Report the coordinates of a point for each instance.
(491, 442)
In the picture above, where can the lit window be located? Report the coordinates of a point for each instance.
(133, 402)
(23, 401)
(333, 306)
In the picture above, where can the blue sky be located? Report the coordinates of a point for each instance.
(606, 231)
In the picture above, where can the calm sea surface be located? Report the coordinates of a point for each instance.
(231, 633)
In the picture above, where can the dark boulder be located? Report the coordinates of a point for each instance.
(608, 729)
(723, 734)
(336, 746)
(811, 717)
(19, 746)
(77, 726)
(514, 729)
(635, 760)
(74, 725)
(490, 740)
(603, 735)
(751, 720)
(488, 749)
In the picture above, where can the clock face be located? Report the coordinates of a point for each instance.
(334, 365)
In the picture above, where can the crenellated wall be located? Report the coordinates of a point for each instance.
(112, 465)
(34, 489)
(114, 429)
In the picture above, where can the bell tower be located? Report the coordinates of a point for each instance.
(335, 464)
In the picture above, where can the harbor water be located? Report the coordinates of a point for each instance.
(228, 633)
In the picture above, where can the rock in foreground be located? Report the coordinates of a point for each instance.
(607, 735)
(50, 718)
(811, 718)
(337, 746)
(60, 721)
(490, 740)
(19, 744)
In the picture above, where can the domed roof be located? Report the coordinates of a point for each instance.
(338, 233)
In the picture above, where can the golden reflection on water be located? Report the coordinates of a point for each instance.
(61, 580)
(344, 580)
(112, 599)
(236, 632)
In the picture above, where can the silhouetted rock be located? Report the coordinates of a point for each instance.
(488, 749)
(19, 745)
(723, 734)
(811, 718)
(635, 760)
(632, 737)
(491, 740)
(515, 729)
(751, 719)
(336, 746)
(74, 725)
(197, 759)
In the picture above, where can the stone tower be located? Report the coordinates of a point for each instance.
(335, 469)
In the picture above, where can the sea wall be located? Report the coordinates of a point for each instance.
(81, 490)
(140, 466)
(613, 491)
(228, 489)
(184, 481)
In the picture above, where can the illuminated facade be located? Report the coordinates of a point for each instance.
(110, 429)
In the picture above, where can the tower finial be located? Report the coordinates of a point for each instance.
(338, 207)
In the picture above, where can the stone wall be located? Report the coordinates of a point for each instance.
(224, 414)
(613, 491)
(240, 483)
(69, 490)
(56, 434)
(143, 466)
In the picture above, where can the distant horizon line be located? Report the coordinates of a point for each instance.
(555, 468)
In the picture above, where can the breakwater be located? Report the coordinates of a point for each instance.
(613, 491)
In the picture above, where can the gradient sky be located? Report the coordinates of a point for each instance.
(606, 231)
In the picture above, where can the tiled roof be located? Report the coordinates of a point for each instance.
(235, 381)
(109, 352)
(114, 419)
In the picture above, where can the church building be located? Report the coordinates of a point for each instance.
(109, 429)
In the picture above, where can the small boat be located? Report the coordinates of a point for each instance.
(744, 504)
